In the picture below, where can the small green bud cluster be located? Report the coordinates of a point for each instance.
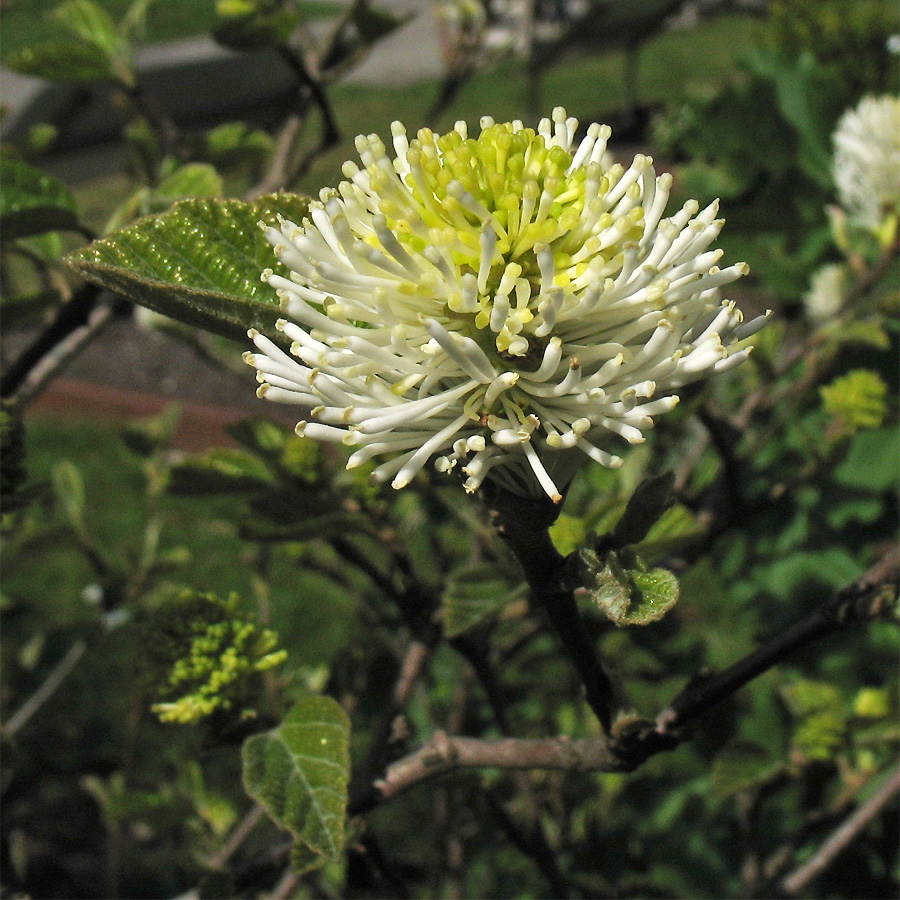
(208, 653)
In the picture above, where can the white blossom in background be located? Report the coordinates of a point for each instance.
(508, 305)
(827, 290)
(867, 160)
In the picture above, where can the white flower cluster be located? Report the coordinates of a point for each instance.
(826, 293)
(867, 160)
(510, 304)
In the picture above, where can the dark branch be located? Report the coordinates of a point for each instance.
(443, 753)
(71, 318)
(866, 598)
(523, 524)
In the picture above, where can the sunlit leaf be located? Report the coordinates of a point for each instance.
(819, 720)
(190, 180)
(857, 399)
(676, 529)
(90, 22)
(299, 771)
(200, 262)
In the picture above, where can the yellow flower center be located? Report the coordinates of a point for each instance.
(509, 212)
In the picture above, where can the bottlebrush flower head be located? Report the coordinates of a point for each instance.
(508, 305)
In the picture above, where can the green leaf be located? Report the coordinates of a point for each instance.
(655, 592)
(32, 202)
(819, 720)
(857, 399)
(89, 22)
(568, 533)
(199, 263)
(677, 529)
(299, 772)
(624, 589)
(256, 25)
(133, 24)
(234, 143)
(872, 703)
(68, 485)
(865, 333)
(804, 91)
(190, 180)
(220, 471)
(871, 462)
(472, 594)
(260, 435)
(61, 60)
(741, 766)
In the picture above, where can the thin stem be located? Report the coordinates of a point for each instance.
(238, 836)
(279, 171)
(331, 133)
(285, 886)
(51, 684)
(384, 747)
(841, 838)
(68, 324)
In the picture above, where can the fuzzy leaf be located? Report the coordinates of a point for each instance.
(299, 771)
(32, 202)
(200, 262)
(472, 594)
(624, 589)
